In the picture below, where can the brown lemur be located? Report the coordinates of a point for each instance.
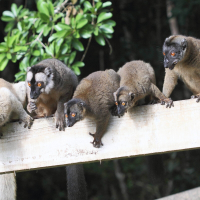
(137, 81)
(12, 101)
(50, 84)
(93, 98)
(182, 60)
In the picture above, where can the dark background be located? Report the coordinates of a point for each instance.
(141, 29)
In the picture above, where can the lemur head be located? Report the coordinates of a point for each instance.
(40, 80)
(74, 110)
(123, 100)
(174, 49)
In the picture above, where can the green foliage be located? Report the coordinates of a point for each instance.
(51, 32)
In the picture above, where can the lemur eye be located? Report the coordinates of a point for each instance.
(116, 103)
(29, 84)
(123, 103)
(163, 53)
(173, 54)
(39, 84)
(73, 114)
(66, 115)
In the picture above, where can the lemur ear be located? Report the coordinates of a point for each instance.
(28, 69)
(48, 71)
(184, 44)
(131, 94)
(81, 104)
(115, 95)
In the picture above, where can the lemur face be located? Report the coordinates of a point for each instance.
(36, 82)
(173, 51)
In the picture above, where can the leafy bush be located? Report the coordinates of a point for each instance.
(55, 30)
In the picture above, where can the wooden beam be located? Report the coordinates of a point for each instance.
(193, 194)
(144, 130)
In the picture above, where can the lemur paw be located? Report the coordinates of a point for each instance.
(28, 121)
(31, 107)
(60, 121)
(196, 96)
(96, 142)
(169, 103)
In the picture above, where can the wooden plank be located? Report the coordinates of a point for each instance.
(193, 194)
(144, 130)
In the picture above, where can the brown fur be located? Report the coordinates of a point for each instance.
(188, 69)
(138, 80)
(96, 93)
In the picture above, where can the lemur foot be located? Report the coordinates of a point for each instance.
(96, 142)
(28, 120)
(196, 96)
(60, 121)
(154, 101)
(169, 103)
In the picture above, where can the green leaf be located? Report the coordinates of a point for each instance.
(41, 28)
(96, 31)
(11, 40)
(110, 22)
(3, 48)
(50, 8)
(76, 70)
(87, 5)
(98, 5)
(106, 4)
(8, 55)
(20, 76)
(79, 16)
(44, 17)
(24, 63)
(78, 64)
(43, 8)
(14, 9)
(85, 33)
(64, 48)
(100, 40)
(103, 16)
(81, 23)
(59, 34)
(19, 26)
(77, 45)
(58, 45)
(33, 61)
(61, 26)
(72, 57)
(106, 28)
(3, 63)
(19, 9)
(7, 19)
(20, 48)
(36, 53)
(46, 31)
(8, 14)
(9, 26)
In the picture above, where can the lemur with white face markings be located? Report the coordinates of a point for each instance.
(50, 84)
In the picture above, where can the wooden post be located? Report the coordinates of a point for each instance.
(145, 130)
(193, 194)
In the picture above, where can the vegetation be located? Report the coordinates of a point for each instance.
(55, 30)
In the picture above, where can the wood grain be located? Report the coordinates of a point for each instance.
(144, 130)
